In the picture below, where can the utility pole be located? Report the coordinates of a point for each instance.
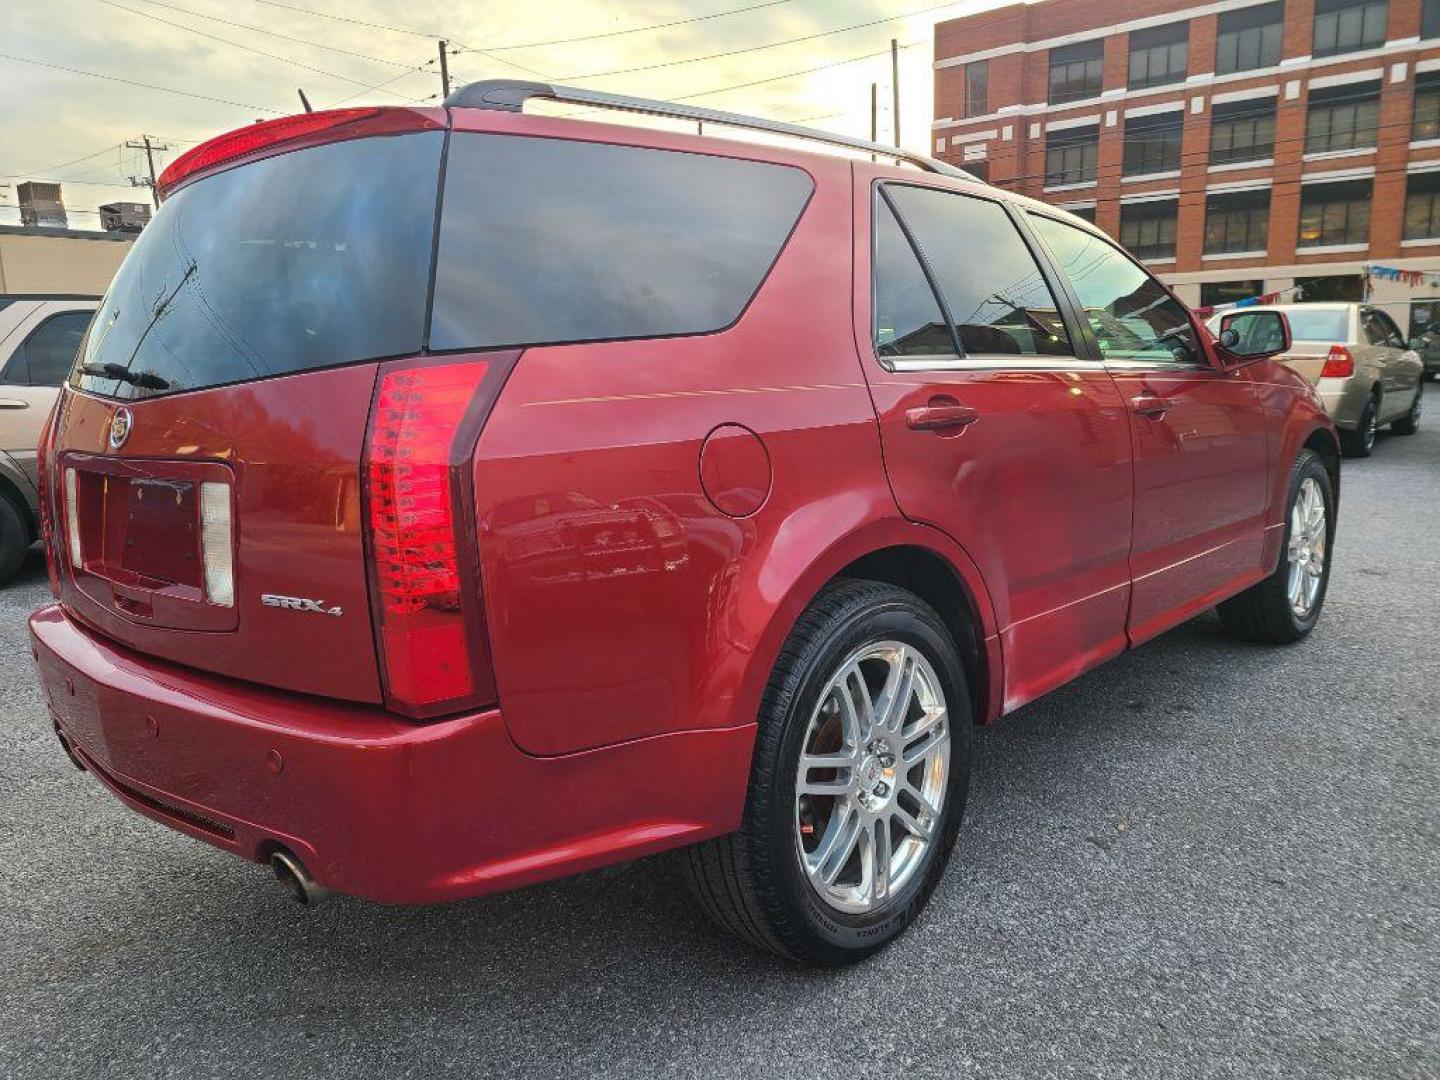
(895, 86)
(874, 132)
(149, 148)
(445, 68)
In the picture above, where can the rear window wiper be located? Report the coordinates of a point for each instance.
(147, 380)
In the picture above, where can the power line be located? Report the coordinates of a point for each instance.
(402, 30)
(240, 45)
(142, 85)
(635, 29)
(767, 45)
(277, 34)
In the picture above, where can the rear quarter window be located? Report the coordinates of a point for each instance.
(1331, 325)
(549, 240)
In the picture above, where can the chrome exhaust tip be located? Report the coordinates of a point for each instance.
(296, 880)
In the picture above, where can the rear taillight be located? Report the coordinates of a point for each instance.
(424, 565)
(217, 543)
(72, 519)
(43, 456)
(1339, 364)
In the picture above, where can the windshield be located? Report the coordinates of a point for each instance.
(305, 260)
(1319, 324)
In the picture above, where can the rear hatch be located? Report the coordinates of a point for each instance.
(206, 458)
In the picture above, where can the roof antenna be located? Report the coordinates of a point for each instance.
(304, 100)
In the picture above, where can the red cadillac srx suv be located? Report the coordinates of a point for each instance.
(449, 499)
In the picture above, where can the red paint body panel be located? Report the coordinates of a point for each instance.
(374, 806)
(293, 446)
(1200, 493)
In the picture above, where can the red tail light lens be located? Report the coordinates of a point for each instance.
(43, 455)
(1339, 364)
(268, 133)
(424, 564)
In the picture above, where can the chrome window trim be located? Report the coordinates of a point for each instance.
(988, 362)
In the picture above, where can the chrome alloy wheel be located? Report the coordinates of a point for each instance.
(1308, 540)
(1371, 432)
(870, 786)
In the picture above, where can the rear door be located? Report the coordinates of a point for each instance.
(1400, 368)
(994, 429)
(1200, 438)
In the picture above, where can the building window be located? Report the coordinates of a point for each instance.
(1430, 19)
(1249, 38)
(1085, 213)
(1426, 124)
(1343, 26)
(1336, 213)
(1422, 206)
(978, 169)
(1215, 293)
(1237, 221)
(1242, 131)
(1148, 228)
(1159, 55)
(1342, 117)
(1071, 155)
(977, 88)
(1152, 143)
(1077, 71)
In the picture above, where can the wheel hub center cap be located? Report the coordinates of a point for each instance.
(875, 778)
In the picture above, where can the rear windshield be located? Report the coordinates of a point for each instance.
(548, 240)
(305, 260)
(1319, 324)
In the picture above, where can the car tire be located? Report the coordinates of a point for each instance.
(1409, 424)
(14, 539)
(1269, 612)
(764, 883)
(1360, 443)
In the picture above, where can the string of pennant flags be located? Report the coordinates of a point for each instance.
(1372, 273)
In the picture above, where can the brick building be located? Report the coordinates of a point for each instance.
(1236, 146)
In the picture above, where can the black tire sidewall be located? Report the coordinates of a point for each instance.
(14, 539)
(845, 936)
(1309, 466)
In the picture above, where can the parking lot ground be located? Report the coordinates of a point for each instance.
(1204, 859)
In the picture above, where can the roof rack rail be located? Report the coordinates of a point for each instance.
(510, 95)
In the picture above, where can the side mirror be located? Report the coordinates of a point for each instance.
(1253, 335)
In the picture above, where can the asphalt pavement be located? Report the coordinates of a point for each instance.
(1204, 859)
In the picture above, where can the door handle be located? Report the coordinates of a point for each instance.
(940, 417)
(13, 403)
(1149, 405)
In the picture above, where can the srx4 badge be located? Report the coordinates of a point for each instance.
(299, 603)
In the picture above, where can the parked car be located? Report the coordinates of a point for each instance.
(1427, 344)
(1366, 373)
(39, 336)
(654, 491)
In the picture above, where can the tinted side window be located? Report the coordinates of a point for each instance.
(989, 280)
(1393, 337)
(1132, 315)
(50, 350)
(908, 321)
(548, 240)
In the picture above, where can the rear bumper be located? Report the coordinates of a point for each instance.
(1344, 400)
(374, 806)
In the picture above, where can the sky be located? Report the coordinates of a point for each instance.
(59, 124)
